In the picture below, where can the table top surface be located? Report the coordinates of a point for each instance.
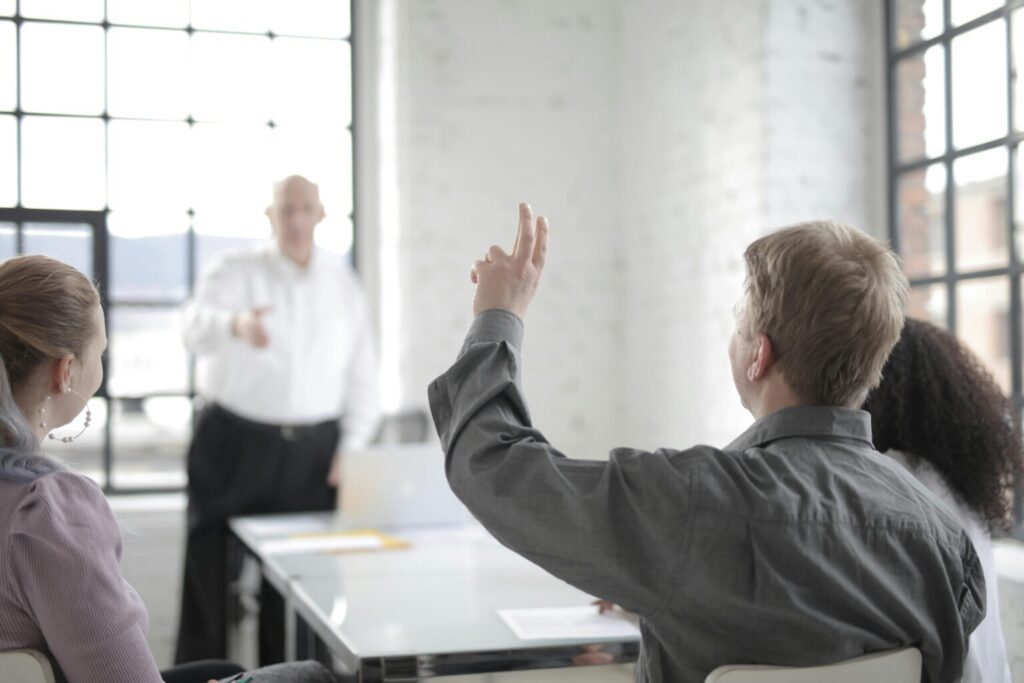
(440, 595)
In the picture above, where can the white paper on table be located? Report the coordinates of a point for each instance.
(320, 544)
(285, 526)
(568, 623)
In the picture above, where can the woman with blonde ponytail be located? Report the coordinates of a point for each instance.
(61, 587)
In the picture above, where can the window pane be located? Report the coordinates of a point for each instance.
(62, 163)
(173, 13)
(149, 165)
(230, 176)
(8, 241)
(916, 20)
(8, 161)
(983, 323)
(1018, 204)
(70, 10)
(229, 77)
(311, 18)
(146, 351)
(68, 242)
(149, 438)
(7, 7)
(920, 98)
(148, 71)
(61, 68)
(979, 85)
(84, 454)
(212, 240)
(921, 206)
(981, 205)
(148, 256)
(8, 66)
(322, 154)
(231, 15)
(1017, 26)
(312, 80)
(930, 303)
(962, 11)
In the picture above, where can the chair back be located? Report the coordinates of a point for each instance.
(895, 666)
(26, 666)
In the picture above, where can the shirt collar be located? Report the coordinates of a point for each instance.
(286, 264)
(807, 422)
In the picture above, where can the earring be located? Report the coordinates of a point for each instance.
(88, 418)
(42, 412)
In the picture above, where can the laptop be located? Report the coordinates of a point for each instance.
(397, 485)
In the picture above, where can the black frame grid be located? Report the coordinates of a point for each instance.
(952, 277)
(97, 220)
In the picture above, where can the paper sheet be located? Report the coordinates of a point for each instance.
(323, 543)
(568, 623)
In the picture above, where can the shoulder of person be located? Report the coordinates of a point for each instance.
(65, 501)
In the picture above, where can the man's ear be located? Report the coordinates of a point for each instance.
(764, 358)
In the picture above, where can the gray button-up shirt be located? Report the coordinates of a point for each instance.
(795, 545)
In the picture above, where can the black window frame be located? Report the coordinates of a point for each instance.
(1013, 272)
(97, 220)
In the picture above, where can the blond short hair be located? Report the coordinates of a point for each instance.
(831, 301)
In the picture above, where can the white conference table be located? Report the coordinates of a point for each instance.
(427, 610)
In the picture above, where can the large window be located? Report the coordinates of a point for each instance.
(137, 139)
(956, 109)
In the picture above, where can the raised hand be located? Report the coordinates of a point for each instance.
(509, 281)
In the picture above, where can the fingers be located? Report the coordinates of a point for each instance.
(540, 249)
(260, 310)
(525, 239)
(260, 337)
(474, 272)
(495, 254)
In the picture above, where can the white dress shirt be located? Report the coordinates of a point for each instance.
(320, 363)
(986, 655)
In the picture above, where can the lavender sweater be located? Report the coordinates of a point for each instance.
(61, 588)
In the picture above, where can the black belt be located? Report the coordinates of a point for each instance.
(287, 432)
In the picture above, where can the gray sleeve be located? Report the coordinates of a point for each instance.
(609, 527)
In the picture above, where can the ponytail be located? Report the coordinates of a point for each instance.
(20, 457)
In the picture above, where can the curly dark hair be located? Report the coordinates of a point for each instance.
(938, 403)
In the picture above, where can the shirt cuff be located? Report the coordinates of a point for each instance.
(496, 325)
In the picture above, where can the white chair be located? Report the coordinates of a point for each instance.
(894, 666)
(25, 666)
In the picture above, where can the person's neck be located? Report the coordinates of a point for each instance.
(300, 260)
(778, 399)
(775, 395)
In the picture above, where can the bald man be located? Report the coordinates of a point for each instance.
(284, 329)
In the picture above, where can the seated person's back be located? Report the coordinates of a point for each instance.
(800, 545)
(796, 545)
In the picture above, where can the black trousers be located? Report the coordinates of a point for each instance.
(237, 467)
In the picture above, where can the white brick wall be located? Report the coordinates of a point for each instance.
(661, 137)
(501, 102)
(738, 116)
